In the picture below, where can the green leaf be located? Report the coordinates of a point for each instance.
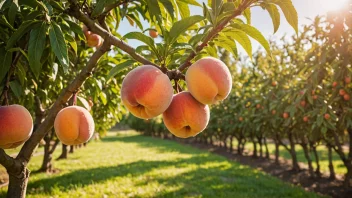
(74, 46)
(289, 11)
(153, 7)
(242, 39)
(114, 71)
(17, 49)
(274, 14)
(58, 45)
(5, 64)
(169, 7)
(191, 2)
(76, 29)
(141, 37)
(36, 47)
(24, 28)
(183, 9)
(84, 102)
(248, 15)
(102, 97)
(255, 34)
(16, 88)
(4, 22)
(12, 12)
(99, 7)
(181, 26)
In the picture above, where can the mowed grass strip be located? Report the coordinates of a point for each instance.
(132, 165)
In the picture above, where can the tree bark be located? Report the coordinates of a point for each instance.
(231, 144)
(18, 180)
(309, 160)
(63, 153)
(267, 154)
(316, 156)
(72, 149)
(331, 165)
(295, 166)
(255, 152)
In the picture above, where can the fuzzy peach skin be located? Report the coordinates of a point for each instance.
(16, 126)
(93, 40)
(146, 92)
(209, 80)
(186, 117)
(74, 125)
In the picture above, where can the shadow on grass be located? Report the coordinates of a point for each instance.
(217, 180)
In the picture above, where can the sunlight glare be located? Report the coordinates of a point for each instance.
(332, 5)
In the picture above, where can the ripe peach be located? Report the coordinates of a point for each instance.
(342, 92)
(240, 119)
(186, 117)
(209, 80)
(94, 40)
(346, 97)
(153, 33)
(285, 115)
(334, 84)
(313, 92)
(16, 126)
(146, 92)
(74, 125)
(327, 116)
(315, 97)
(303, 103)
(347, 79)
(274, 83)
(258, 106)
(273, 112)
(305, 119)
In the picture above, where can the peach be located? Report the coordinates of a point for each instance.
(327, 116)
(285, 115)
(16, 126)
(346, 97)
(146, 92)
(334, 84)
(153, 33)
(74, 125)
(209, 80)
(186, 117)
(93, 40)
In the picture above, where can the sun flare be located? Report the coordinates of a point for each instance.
(332, 5)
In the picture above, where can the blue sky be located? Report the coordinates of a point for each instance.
(260, 19)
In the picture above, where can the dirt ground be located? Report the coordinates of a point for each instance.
(283, 171)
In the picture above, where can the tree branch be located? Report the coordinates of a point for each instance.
(78, 14)
(6, 160)
(28, 148)
(214, 32)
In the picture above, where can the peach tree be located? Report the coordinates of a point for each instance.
(46, 55)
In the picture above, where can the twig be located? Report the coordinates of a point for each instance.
(28, 148)
(214, 32)
(78, 14)
(6, 160)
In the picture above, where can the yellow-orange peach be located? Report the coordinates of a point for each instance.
(74, 125)
(93, 40)
(146, 92)
(153, 33)
(209, 80)
(16, 126)
(186, 117)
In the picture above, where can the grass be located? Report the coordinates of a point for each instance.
(131, 165)
(322, 153)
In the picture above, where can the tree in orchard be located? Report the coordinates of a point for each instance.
(43, 40)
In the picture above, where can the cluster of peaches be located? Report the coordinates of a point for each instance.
(93, 40)
(147, 92)
(73, 125)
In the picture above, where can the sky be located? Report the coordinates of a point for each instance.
(306, 9)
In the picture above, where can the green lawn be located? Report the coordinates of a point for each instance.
(322, 152)
(131, 165)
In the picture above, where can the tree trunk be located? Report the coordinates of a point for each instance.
(72, 149)
(277, 152)
(316, 156)
(64, 152)
(260, 147)
(239, 149)
(46, 165)
(231, 144)
(255, 153)
(309, 160)
(331, 165)
(295, 166)
(18, 181)
(267, 155)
